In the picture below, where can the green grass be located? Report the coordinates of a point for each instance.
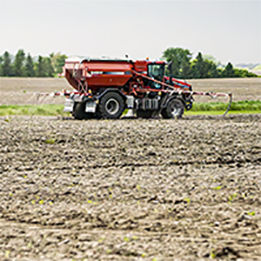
(220, 106)
(189, 113)
(212, 108)
(42, 110)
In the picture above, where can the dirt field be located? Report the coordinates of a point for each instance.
(242, 89)
(130, 189)
(23, 90)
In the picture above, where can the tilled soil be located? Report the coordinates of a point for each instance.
(130, 189)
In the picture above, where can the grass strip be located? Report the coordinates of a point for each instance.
(30, 110)
(220, 106)
(189, 113)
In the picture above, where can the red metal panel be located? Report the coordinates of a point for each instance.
(108, 80)
(108, 66)
(71, 80)
(140, 66)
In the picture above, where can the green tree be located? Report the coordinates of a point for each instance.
(243, 73)
(29, 66)
(204, 68)
(48, 67)
(40, 67)
(213, 71)
(44, 67)
(198, 67)
(58, 61)
(180, 59)
(6, 67)
(228, 71)
(1, 66)
(18, 65)
(210, 69)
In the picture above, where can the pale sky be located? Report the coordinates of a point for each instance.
(228, 30)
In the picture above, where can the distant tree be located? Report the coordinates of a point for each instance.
(228, 71)
(204, 68)
(40, 67)
(29, 66)
(58, 61)
(18, 64)
(180, 59)
(6, 66)
(243, 73)
(185, 71)
(1, 66)
(44, 67)
(213, 70)
(198, 67)
(211, 58)
(48, 67)
(210, 69)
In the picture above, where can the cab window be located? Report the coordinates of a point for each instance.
(156, 71)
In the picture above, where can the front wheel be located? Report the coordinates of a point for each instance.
(174, 109)
(111, 105)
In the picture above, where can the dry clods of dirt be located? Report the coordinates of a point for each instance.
(130, 189)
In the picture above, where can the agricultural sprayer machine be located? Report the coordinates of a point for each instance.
(106, 88)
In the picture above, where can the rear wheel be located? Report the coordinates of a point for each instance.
(145, 114)
(111, 105)
(79, 112)
(174, 109)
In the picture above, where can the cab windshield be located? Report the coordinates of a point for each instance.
(156, 71)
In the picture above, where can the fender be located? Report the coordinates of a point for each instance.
(169, 98)
(98, 97)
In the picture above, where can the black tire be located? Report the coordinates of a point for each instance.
(145, 114)
(174, 109)
(79, 112)
(111, 106)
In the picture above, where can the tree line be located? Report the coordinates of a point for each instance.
(23, 65)
(182, 65)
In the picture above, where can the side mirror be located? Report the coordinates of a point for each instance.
(170, 71)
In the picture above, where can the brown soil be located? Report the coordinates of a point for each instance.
(23, 90)
(130, 189)
(242, 89)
